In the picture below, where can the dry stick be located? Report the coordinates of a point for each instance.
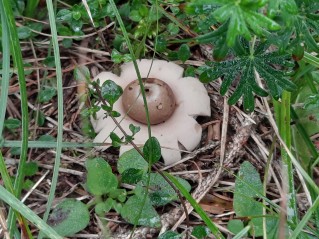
(141, 153)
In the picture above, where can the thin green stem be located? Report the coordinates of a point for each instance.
(282, 111)
(60, 110)
(129, 45)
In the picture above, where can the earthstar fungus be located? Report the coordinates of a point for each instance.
(174, 102)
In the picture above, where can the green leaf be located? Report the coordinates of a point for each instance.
(170, 235)
(152, 150)
(135, 16)
(131, 159)
(69, 217)
(100, 179)
(114, 114)
(132, 175)
(40, 117)
(248, 182)
(116, 140)
(104, 207)
(31, 168)
(235, 226)
(49, 61)
(119, 194)
(27, 184)
(184, 53)
(248, 186)
(45, 95)
(172, 28)
(12, 123)
(47, 137)
(242, 18)
(200, 232)
(82, 73)
(134, 129)
(243, 67)
(136, 211)
(24, 32)
(161, 191)
(111, 91)
(64, 15)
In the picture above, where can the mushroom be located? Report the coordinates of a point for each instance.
(173, 101)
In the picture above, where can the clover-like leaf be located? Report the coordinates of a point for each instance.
(245, 67)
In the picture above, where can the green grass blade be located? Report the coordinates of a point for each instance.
(213, 228)
(27, 213)
(5, 70)
(30, 9)
(4, 95)
(49, 144)
(60, 110)
(9, 20)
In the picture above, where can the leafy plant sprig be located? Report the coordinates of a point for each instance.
(248, 63)
(152, 152)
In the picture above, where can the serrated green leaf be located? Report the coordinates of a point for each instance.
(69, 217)
(242, 17)
(111, 91)
(131, 159)
(152, 150)
(138, 212)
(244, 68)
(100, 179)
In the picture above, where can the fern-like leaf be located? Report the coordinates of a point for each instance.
(246, 67)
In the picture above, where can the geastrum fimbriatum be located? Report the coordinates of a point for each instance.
(174, 102)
